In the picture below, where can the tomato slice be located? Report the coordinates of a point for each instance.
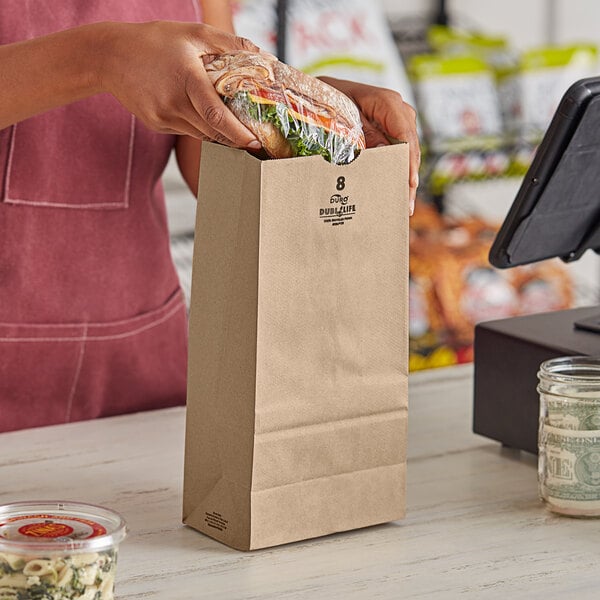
(302, 113)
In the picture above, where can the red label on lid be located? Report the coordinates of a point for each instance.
(46, 530)
(52, 526)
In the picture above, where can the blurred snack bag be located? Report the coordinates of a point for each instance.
(457, 98)
(542, 287)
(428, 345)
(426, 225)
(462, 127)
(349, 39)
(426, 326)
(427, 330)
(469, 290)
(465, 141)
(494, 50)
(544, 74)
(428, 335)
(530, 92)
(451, 274)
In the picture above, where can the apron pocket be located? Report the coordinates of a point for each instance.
(72, 157)
(39, 366)
(136, 366)
(52, 374)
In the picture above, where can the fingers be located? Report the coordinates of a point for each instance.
(399, 120)
(375, 138)
(414, 160)
(373, 135)
(385, 115)
(242, 43)
(212, 117)
(175, 95)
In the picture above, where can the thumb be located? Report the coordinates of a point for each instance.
(242, 43)
(215, 41)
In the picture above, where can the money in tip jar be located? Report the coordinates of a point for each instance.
(569, 435)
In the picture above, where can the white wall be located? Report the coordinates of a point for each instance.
(526, 23)
(403, 8)
(578, 20)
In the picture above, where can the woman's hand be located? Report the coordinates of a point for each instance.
(156, 71)
(385, 114)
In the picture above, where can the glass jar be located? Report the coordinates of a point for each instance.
(569, 435)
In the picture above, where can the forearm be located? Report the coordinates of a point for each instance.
(218, 14)
(50, 71)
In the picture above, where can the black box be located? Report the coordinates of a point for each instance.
(508, 354)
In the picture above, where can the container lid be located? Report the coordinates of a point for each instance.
(58, 526)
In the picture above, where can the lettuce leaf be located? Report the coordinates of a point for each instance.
(305, 138)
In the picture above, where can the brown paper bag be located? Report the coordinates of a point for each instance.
(297, 393)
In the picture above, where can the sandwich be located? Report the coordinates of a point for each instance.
(290, 112)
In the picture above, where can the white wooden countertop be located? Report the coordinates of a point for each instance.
(474, 529)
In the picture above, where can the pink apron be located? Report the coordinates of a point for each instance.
(92, 319)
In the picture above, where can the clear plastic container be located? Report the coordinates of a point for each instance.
(57, 550)
(569, 435)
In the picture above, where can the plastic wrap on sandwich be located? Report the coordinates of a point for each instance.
(290, 112)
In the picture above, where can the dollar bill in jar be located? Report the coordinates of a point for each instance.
(569, 470)
(569, 435)
(565, 413)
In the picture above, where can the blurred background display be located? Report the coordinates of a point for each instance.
(485, 79)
